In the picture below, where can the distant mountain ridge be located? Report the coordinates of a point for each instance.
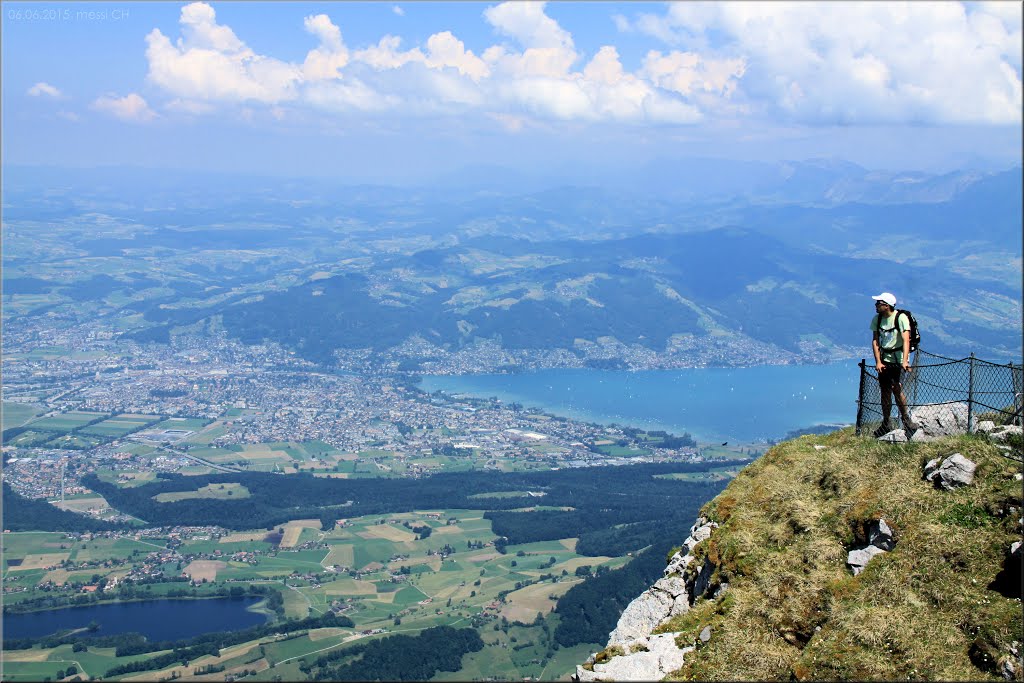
(774, 260)
(642, 290)
(825, 182)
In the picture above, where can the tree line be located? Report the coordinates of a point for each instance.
(601, 498)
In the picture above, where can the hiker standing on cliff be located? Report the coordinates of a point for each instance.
(890, 342)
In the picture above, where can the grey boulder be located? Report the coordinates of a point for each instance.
(1004, 432)
(940, 419)
(859, 558)
(950, 472)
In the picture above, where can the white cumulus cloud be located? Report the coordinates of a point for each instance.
(331, 56)
(131, 107)
(42, 88)
(528, 24)
(209, 62)
(940, 62)
(852, 62)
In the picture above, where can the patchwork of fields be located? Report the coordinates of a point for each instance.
(374, 569)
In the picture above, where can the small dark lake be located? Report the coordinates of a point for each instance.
(155, 619)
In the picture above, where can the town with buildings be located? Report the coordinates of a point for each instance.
(207, 395)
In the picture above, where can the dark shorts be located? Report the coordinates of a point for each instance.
(890, 374)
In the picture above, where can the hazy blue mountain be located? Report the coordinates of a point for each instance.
(640, 290)
(317, 265)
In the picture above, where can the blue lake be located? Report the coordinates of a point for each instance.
(713, 404)
(155, 619)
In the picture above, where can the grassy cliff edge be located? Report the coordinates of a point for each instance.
(936, 607)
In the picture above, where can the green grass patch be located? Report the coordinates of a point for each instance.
(30, 439)
(622, 451)
(67, 421)
(76, 441)
(190, 423)
(17, 414)
(501, 494)
(225, 491)
(967, 515)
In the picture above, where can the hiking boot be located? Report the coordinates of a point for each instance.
(909, 427)
(882, 430)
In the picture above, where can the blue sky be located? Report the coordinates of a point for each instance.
(394, 91)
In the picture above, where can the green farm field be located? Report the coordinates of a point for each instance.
(66, 421)
(120, 425)
(17, 414)
(714, 474)
(189, 423)
(226, 491)
(77, 440)
(29, 439)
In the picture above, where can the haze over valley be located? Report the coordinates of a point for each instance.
(406, 341)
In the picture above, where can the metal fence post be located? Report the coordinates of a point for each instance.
(860, 396)
(970, 395)
(1016, 380)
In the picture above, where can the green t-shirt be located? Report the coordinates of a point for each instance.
(890, 336)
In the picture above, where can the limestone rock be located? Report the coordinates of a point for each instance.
(859, 557)
(1012, 664)
(666, 598)
(649, 657)
(1004, 432)
(941, 419)
(705, 634)
(662, 657)
(931, 467)
(985, 426)
(700, 531)
(895, 436)
(880, 535)
(954, 472)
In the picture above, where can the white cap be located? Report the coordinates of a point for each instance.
(887, 297)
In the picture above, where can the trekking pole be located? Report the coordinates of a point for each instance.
(860, 396)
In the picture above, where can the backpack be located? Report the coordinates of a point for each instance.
(915, 334)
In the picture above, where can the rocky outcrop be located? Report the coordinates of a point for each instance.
(649, 662)
(934, 421)
(632, 652)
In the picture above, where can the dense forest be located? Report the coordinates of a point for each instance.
(590, 610)
(400, 657)
(601, 498)
(27, 514)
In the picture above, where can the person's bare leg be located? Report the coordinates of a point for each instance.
(901, 402)
(886, 390)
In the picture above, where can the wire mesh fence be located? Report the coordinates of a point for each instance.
(991, 391)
